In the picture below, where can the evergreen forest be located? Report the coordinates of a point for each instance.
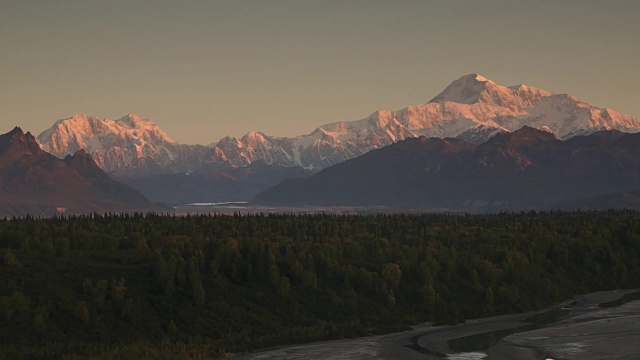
(202, 286)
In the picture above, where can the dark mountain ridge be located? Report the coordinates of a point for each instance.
(528, 168)
(35, 182)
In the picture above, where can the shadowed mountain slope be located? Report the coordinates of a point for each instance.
(528, 168)
(35, 182)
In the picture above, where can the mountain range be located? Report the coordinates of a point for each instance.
(468, 117)
(524, 169)
(472, 108)
(35, 182)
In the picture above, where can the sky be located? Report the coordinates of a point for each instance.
(205, 69)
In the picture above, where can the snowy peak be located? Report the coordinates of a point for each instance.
(476, 89)
(91, 133)
(81, 129)
(252, 147)
(138, 126)
(476, 77)
(253, 139)
(469, 89)
(130, 144)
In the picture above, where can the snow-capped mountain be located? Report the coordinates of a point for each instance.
(472, 108)
(130, 145)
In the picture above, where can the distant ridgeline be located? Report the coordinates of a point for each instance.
(199, 286)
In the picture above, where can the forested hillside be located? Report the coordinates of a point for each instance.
(199, 286)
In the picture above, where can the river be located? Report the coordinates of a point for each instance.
(592, 326)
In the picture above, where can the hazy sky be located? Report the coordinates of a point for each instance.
(205, 69)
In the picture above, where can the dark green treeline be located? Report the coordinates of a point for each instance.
(194, 287)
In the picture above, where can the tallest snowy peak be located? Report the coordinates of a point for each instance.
(474, 77)
(468, 89)
(480, 77)
(476, 89)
